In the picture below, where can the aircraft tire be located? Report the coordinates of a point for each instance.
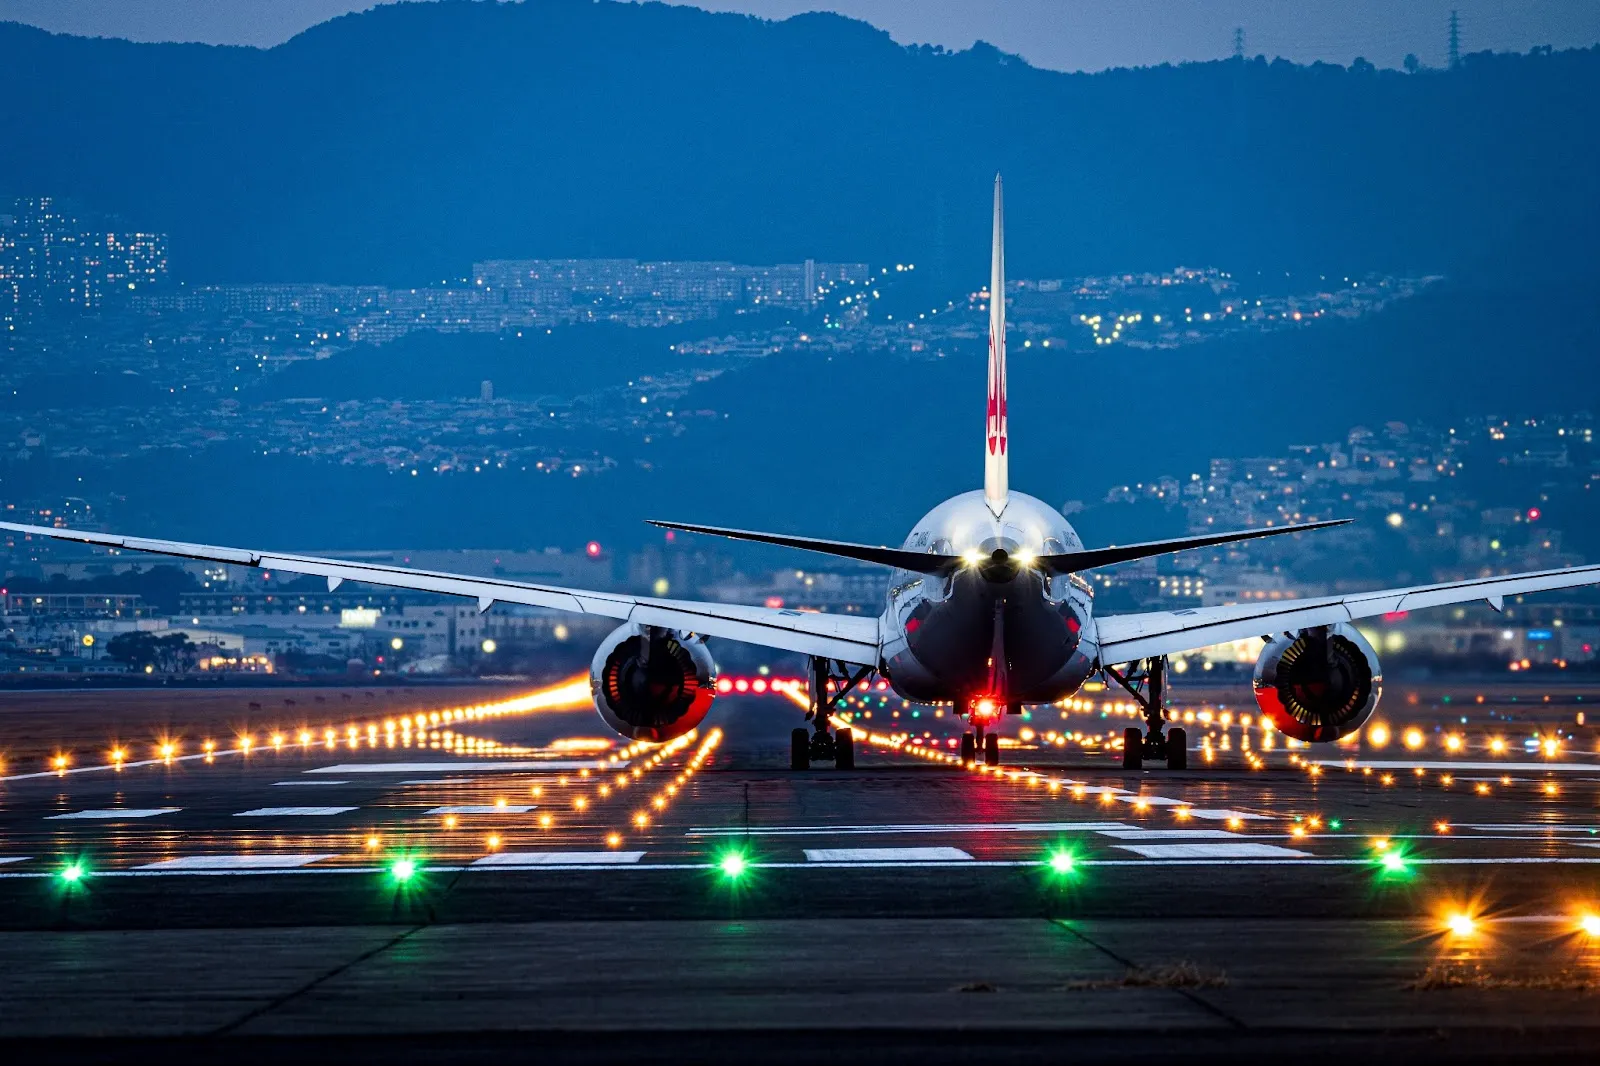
(1133, 748)
(844, 749)
(800, 749)
(991, 749)
(969, 749)
(1177, 749)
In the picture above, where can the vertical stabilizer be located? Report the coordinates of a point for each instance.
(995, 484)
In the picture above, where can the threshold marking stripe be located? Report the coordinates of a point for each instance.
(369, 871)
(281, 784)
(483, 808)
(534, 859)
(1222, 814)
(857, 830)
(1213, 851)
(114, 814)
(14, 858)
(236, 862)
(1154, 801)
(851, 855)
(294, 812)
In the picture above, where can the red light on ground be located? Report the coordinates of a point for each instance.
(741, 685)
(1533, 514)
(883, 686)
(1395, 616)
(775, 601)
(758, 685)
(724, 685)
(592, 549)
(671, 536)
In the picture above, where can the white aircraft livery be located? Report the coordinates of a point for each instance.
(987, 611)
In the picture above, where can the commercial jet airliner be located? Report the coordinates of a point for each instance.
(987, 611)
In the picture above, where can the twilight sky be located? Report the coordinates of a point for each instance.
(1063, 34)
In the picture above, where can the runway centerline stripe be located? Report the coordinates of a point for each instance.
(294, 812)
(236, 862)
(1168, 834)
(849, 855)
(114, 814)
(484, 808)
(1498, 767)
(532, 859)
(473, 766)
(313, 783)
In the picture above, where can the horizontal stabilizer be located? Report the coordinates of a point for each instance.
(1087, 560)
(930, 563)
(920, 562)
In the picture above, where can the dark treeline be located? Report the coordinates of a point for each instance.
(401, 144)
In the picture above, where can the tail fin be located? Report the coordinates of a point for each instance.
(995, 481)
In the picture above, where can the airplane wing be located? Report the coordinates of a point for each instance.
(1124, 638)
(850, 638)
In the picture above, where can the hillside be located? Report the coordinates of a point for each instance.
(401, 144)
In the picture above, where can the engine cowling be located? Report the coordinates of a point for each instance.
(1318, 684)
(652, 684)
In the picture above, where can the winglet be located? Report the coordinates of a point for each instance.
(995, 486)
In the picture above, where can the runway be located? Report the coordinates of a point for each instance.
(516, 877)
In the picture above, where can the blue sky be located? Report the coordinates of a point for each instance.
(1061, 34)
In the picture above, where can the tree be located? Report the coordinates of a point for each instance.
(1411, 63)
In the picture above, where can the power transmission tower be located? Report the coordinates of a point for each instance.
(1455, 40)
(1238, 42)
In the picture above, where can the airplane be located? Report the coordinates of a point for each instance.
(987, 610)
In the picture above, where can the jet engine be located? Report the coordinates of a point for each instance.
(1318, 684)
(652, 684)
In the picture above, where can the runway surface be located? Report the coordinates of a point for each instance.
(513, 878)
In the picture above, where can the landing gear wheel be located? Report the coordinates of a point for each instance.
(800, 749)
(991, 750)
(844, 749)
(969, 749)
(1133, 748)
(1177, 749)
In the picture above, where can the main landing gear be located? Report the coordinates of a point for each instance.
(980, 738)
(819, 744)
(1146, 682)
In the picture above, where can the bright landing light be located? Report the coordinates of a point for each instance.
(1461, 925)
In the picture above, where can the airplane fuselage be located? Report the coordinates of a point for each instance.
(1022, 636)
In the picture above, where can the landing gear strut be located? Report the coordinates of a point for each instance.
(1146, 682)
(819, 744)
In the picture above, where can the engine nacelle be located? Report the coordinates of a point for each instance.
(652, 684)
(1318, 684)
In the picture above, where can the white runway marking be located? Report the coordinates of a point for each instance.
(1498, 767)
(859, 830)
(1530, 828)
(14, 858)
(484, 808)
(1154, 801)
(115, 814)
(294, 812)
(440, 781)
(514, 766)
(560, 858)
(1213, 851)
(236, 862)
(318, 783)
(1169, 834)
(887, 855)
(1223, 814)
